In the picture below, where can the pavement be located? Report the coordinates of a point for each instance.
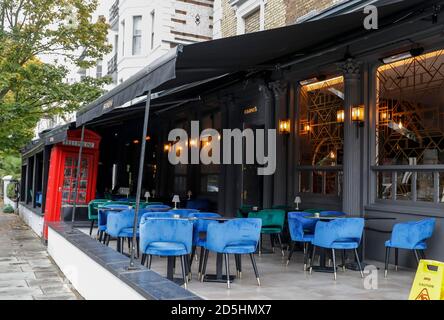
(26, 270)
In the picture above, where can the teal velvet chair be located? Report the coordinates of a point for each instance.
(92, 211)
(410, 235)
(272, 224)
(166, 237)
(339, 234)
(238, 237)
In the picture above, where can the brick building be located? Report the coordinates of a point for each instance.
(234, 17)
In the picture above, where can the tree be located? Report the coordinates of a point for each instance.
(30, 88)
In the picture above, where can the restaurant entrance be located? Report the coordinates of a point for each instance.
(252, 183)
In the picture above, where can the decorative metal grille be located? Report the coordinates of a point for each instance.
(321, 134)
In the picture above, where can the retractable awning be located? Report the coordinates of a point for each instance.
(261, 50)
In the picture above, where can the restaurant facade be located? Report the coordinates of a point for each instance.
(359, 116)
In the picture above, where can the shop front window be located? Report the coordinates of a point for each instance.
(410, 129)
(320, 132)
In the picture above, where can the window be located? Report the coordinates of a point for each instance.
(320, 134)
(123, 38)
(410, 129)
(252, 22)
(99, 70)
(153, 22)
(137, 35)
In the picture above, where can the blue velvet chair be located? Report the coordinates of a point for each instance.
(103, 218)
(184, 213)
(301, 230)
(339, 234)
(168, 238)
(157, 207)
(332, 214)
(200, 234)
(409, 236)
(120, 226)
(153, 214)
(237, 236)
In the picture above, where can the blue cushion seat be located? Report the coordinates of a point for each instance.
(166, 249)
(418, 246)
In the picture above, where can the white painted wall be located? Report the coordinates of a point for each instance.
(6, 200)
(91, 280)
(33, 220)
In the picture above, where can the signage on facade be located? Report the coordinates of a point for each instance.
(250, 110)
(108, 104)
(75, 143)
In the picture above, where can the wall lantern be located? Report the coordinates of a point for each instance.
(136, 141)
(166, 147)
(305, 128)
(148, 138)
(340, 116)
(284, 126)
(358, 115)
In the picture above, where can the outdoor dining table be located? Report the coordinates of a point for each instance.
(218, 277)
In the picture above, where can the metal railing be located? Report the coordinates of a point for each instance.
(114, 13)
(112, 65)
(410, 182)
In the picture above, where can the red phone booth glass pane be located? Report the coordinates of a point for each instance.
(69, 188)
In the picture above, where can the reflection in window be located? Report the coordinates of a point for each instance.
(410, 125)
(321, 134)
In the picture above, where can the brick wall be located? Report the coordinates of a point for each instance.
(278, 13)
(252, 22)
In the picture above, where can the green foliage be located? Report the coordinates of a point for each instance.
(10, 164)
(31, 89)
(10, 192)
(8, 209)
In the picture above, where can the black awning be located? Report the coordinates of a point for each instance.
(149, 78)
(249, 52)
(55, 135)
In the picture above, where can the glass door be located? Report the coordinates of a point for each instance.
(70, 182)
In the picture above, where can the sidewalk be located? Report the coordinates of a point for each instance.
(26, 271)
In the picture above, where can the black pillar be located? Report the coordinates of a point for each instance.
(34, 180)
(351, 199)
(45, 172)
(267, 104)
(279, 90)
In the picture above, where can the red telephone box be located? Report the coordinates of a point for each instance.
(62, 183)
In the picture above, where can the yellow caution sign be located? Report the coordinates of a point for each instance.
(429, 281)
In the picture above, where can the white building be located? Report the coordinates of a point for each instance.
(140, 32)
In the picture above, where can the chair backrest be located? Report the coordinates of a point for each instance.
(145, 204)
(184, 213)
(93, 206)
(409, 234)
(103, 213)
(154, 214)
(299, 225)
(243, 211)
(201, 225)
(269, 217)
(332, 214)
(342, 229)
(240, 232)
(116, 221)
(166, 230)
(157, 207)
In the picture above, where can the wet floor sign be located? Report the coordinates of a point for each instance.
(429, 281)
